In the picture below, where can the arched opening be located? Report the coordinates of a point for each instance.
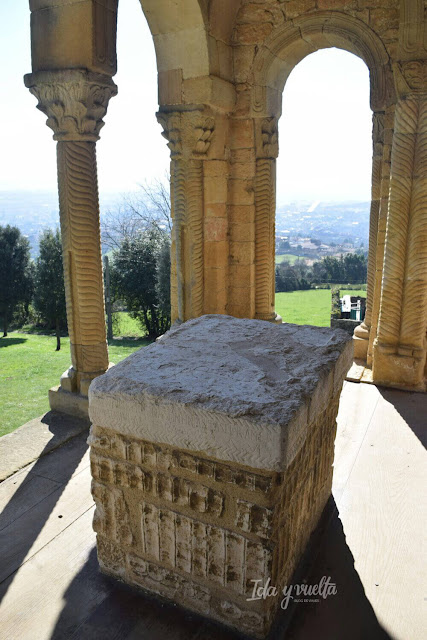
(323, 189)
(274, 62)
(130, 150)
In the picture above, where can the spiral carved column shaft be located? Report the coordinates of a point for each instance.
(75, 101)
(189, 135)
(399, 351)
(187, 234)
(178, 210)
(414, 310)
(265, 202)
(194, 238)
(381, 227)
(361, 333)
(79, 216)
(402, 168)
(267, 150)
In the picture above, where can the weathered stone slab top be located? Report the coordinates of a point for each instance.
(234, 389)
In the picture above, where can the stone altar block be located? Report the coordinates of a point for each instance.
(211, 454)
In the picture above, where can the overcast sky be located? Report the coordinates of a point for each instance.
(325, 129)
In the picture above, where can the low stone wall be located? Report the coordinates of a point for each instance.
(345, 323)
(199, 524)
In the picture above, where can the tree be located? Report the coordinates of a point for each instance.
(49, 290)
(15, 270)
(139, 277)
(163, 278)
(356, 267)
(138, 212)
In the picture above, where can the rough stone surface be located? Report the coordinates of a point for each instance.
(235, 389)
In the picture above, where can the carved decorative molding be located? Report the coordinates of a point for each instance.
(75, 101)
(378, 127)
(189, 133)
(171, 125)
(321, 29)
(410, 77)
(412, 41)
(267, 138)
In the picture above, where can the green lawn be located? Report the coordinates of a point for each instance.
(124, 325)
(308, 307)
(286, 256)
(29, 366)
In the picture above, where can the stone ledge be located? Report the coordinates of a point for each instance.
(68, 402)
(35, 439)
(238, 390)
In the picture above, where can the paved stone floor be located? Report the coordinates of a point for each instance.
(370, 543)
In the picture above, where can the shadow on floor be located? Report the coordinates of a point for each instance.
(348, 614)
(27, 511)
(100, 607)
(412, 407)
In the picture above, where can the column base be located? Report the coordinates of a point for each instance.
(397, 370)
(270, 317)
(71, 403)
(361, 342)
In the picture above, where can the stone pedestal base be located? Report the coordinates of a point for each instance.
(360, 348)
(68, 402)
(397, 369)
(361, 342)
(200, 532)
(211, 455)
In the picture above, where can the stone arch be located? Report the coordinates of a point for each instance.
(180, 37)
(282, 50)
(294, 40)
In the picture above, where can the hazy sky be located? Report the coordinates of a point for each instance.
(325, 129)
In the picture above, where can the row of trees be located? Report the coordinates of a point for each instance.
(25, 283)
(138, 238)
(348, 269)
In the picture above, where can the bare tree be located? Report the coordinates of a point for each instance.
(138, 212)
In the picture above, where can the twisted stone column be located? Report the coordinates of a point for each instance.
(381, 229)
(399, 349)
(361, 333)
(414, 308)
(189, 134)
(267, 150)
(75, 102)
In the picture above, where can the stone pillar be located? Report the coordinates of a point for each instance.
(267, 149)
(361, 333)
(201, 493)
(400, 347)
(382, 223)
(189, 133)
(75, 102)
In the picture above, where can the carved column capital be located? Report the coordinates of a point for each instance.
(75, 101)
(189, 133)
(266, 137)
(410, 77)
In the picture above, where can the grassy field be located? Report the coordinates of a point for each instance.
(308, 307)
(124, 325)
(286, 256)
(29, 366)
